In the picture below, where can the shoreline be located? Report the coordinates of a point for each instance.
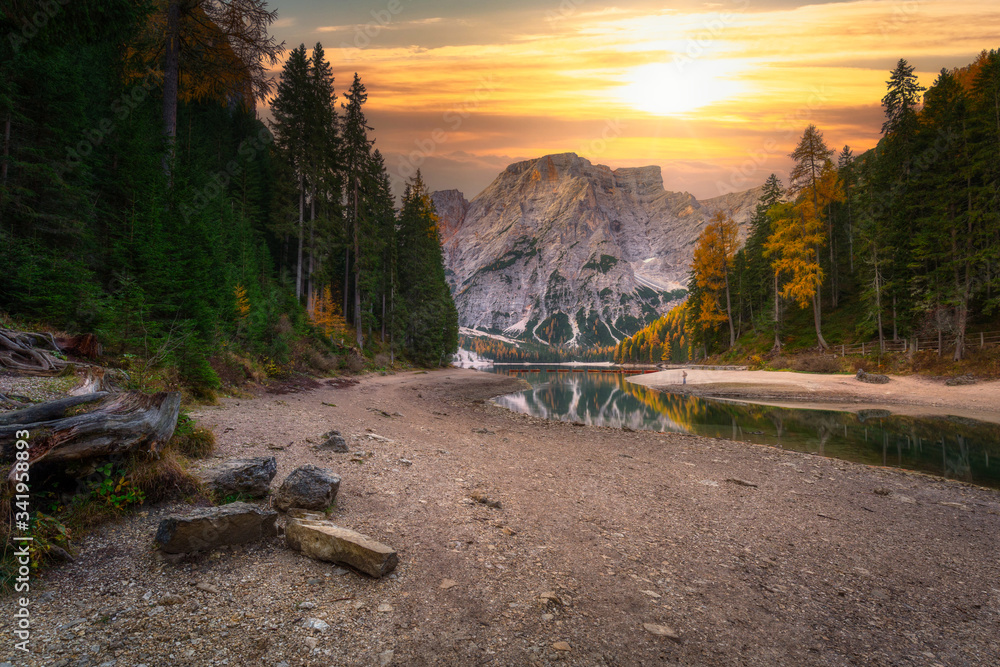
(605, 547)
(915, 396)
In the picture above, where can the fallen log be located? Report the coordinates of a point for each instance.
(112, 424)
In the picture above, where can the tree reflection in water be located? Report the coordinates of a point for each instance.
(957, 448)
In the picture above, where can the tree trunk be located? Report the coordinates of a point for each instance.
(777, 315)
(171, 76)
(298, 262)
(310, 300)
(347, 279)
(117, 424)
(878, 300)
(816, 320)
(357, 271)
(729, 314)
(6, 151)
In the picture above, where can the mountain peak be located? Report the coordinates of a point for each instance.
(562, 251)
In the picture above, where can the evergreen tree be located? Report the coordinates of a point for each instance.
(356, 156)
(292, 109)
(426, 307)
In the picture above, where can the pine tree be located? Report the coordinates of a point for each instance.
(291, 109)
(356, 156)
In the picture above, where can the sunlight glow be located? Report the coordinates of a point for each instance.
(679, 87)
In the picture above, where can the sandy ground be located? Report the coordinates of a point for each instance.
(747, 555)
(920, 395)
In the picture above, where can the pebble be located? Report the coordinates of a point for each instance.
(448, 583)
(561, 646)
(385, 657)
(662, 631)
(315, 624)
(307, 605)
(207, 587)
(385, 607)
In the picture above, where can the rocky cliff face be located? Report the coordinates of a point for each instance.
(562, 251)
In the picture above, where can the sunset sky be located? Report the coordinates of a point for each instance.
(716, 93)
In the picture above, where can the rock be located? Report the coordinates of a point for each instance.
(241, 477)
(315, 624)
(170, 599)
(960, 380)
(652, 594)
(662, 631)
(308, 487)
(324, 541)
(333, 441)
(312, 642)
(204, 529)
(484, 500)
(447, 583)
(385, 658)
(562, 646)
(547, 617)
(384, 608)
(871, 378)
(551, 597)
(207, 587)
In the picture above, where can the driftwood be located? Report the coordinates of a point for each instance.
(41, 353)
(94, 425)
(31, 353)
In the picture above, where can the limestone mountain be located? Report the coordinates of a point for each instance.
(561, 251)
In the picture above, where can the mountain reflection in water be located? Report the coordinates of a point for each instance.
(954, 447)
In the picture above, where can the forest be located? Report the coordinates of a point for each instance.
(894, 246)
(143, 198)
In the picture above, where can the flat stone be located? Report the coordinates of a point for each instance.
(662, 631)
(447, 583)
(385, 658)
(245, 477)
(324, 541)
(562, 646)
(208, 528)
(309, 488)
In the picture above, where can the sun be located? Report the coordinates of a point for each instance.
(679, 87)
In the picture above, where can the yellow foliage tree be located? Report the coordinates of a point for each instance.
(326, 315)
(713, 262)
(797, 233)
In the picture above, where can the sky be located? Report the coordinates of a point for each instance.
(715, 93)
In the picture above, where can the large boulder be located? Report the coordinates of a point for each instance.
(324, 541)
(211, 527)
(308, 488)
(241, 477)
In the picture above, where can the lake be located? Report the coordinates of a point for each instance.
(953, 447)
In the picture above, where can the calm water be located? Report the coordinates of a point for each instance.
(953, 447)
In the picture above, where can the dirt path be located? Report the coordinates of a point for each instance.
(935, 397)
(751, 555)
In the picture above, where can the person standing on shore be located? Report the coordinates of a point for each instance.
(684, 377)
